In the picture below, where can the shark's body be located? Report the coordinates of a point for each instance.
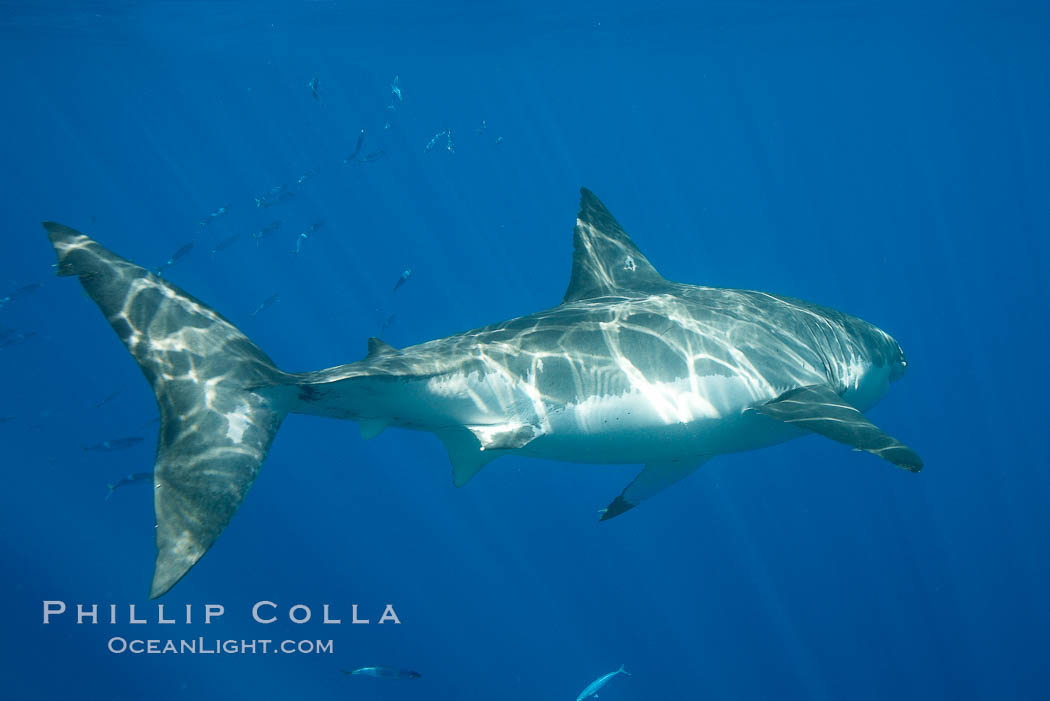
(630, 368)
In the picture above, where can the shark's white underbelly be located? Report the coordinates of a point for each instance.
(661, 421)
(650, 421)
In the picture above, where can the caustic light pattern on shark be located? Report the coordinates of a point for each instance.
(629, 368)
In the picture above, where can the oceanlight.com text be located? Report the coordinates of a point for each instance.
(214, 646)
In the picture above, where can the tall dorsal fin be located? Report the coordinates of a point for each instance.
(605, 260)
(378, 347)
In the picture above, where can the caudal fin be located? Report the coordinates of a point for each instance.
(214, 431)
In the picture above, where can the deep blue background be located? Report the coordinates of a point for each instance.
(881, 159)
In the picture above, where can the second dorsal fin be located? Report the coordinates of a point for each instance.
(605, 261)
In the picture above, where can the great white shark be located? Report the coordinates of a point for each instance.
(629, 368)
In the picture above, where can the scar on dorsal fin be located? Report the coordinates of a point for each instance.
(379, 347)
(819, 409)
(605, 261)
(654, 478)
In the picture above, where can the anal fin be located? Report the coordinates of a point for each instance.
(654, 477)
(819, 409)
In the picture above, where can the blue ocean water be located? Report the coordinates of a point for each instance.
(885, 159)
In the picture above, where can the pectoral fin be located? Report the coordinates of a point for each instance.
(465, 454)
(654, 477)
(370, 428)
(819, 409)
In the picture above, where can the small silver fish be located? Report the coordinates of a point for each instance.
(225, 243)
(306, 234)
(11, 337)
(433, 140)
(401, 280)
(592, 689)
(385, 673)
(176, 257)
(15, 294)
(267, 303)
(357, 148)
(276, 195)
(266, 231)
(109, 398)
(114, 444)
(449, 146)
(133, 478)
(386, 324)
(220, 212)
